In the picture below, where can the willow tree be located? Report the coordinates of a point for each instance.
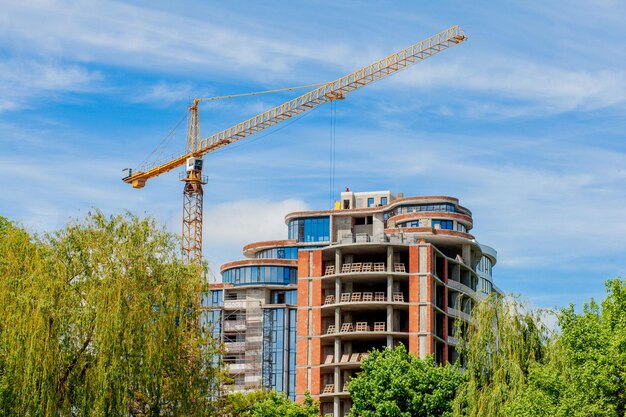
(503, 342)
(585, 371)
(101, 318)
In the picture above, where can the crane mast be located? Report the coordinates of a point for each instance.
(334, 90)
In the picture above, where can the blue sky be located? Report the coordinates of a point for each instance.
(524, 122)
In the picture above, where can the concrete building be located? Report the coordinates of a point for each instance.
(376, 271)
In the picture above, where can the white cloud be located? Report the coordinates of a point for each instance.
(21, 81)
(539, 89)
(134, 36)
(229, 226)
(163, 93)
(540, 202)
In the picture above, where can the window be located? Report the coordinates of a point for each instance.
(383, 201)
(485, 265)
(280, 275)
(278, 297)
(460, 227)
(278, 253)
(443, 207)
(443, 224)
(370, 202)
(212, 299)
(310, 229)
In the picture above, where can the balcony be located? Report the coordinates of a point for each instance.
(359, 267)
(234, 325)
(365, 297)
(347, 360)
(234, 347)
(462, 288)
(234, 304)
(459, 314)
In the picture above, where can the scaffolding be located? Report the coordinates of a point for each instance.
(242, 329)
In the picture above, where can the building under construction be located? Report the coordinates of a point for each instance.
(380, 269)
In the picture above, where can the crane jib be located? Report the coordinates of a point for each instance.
(330, 91)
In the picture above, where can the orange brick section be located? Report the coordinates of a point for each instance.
(302, 344)
(300, 384)
(316, 354)
(303, 264)
(316, 328)
(414, 288)
(316, 292)
(414, 259)
(303, 293)
(316, 388)
(317, 263)
(430, 314)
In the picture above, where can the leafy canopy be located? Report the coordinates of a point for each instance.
(101, 318)
(264, 403)
(505, 339)
(395, 383)
(585, 373)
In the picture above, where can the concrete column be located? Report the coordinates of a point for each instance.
(389, 289)
(338, 261)
(336, 407)
(389, 258)
(337, 318)
(337, 289)
(467, 254)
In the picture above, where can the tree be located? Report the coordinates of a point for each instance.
(264, 403)
(504, 341)
(395, 383)
(585, 372)
(101, 318)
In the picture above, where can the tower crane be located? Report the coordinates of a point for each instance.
(197, 146)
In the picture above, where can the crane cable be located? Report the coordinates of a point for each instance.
(256, 93)
(165, 141)
(333, 140)
(160, 148)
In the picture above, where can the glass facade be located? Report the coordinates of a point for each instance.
(460, 227)
(484, 286)
(484, 265)
(412, 223)
(212, 298)
(414, 208)
(278, 253)
(310, 229)
(279, 353)
(212, 321)
(247, 275)
(284, 297)
(443, 224)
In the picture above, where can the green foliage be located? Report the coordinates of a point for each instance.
(514, 369)
(506, 339)
(264, 403)
(396, 383)
(585, 373)
(90, 323)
